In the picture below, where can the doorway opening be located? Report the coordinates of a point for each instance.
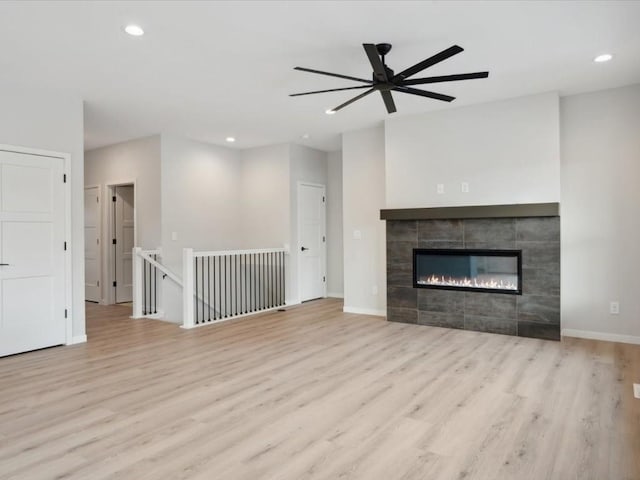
(122, 230)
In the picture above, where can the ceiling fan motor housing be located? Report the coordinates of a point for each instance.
(383, 48)
(389, 75)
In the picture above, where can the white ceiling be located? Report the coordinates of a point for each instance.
(210, 70)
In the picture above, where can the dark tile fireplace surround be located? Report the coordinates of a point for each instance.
(533, 229)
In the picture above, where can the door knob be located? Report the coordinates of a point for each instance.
(302, 249)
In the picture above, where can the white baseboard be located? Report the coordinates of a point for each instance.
(606, 337)
(236, 317)
(78, 339)
(291, 303)
(365, 311)
(335, 295)
(153, 316)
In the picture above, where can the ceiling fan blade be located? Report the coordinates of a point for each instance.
(437, 58)
(374, 59)
(424, 93)
(388, 101)
(349, 102)
(445, 78)
(330, 90)
(346, 77)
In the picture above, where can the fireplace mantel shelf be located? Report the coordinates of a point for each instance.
(480, 211)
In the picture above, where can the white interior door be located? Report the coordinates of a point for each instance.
(311, 225)
(125, 235)
(32, 252)
(92, 244)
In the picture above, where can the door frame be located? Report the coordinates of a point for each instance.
(68, 270)
(299, 240)
(108, 252)
(99, 222)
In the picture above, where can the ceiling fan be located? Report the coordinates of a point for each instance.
(385, 80)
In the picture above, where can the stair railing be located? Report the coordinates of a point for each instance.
(228, 284)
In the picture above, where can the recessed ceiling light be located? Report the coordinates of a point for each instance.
(605, 57)
(329, 111)
(230, 139)
(305, 136)
(134, 30)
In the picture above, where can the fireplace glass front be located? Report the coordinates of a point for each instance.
(497, 271)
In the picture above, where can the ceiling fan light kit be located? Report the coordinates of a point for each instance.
(385, 80)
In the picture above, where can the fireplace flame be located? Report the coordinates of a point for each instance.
(441, 280)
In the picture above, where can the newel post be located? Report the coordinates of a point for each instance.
(188, 320)
(137, 283)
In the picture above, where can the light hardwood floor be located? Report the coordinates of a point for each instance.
(314, 393)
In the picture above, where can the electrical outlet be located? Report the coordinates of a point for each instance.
(440, 188)
(357, 234)
(636, 390)
(374, 290)
(614, 307)
(464, 187)
(174, 236)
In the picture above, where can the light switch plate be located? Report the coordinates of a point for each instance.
(636, 390)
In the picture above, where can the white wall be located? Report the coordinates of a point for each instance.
(212, 198)
(200, 203)
(54, 122)
(335, 268)
(306, 165)
(134, 161)
(508, 152)
(269, 182)
(363, 197)
(600, 223)
(264, 192)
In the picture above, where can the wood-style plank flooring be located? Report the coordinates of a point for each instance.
(314, 393)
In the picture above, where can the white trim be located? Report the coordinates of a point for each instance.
(32, 151)
(137, 294)
(605, 337)
(152, 316)
(78, 339)
(324, 233)
(335, 295)
(99, 222)
(188, 320)
(68, 264)
(365, 311)
(69, 260)
(292, 303)
(109, 292)
(237, 317)
(220, 253)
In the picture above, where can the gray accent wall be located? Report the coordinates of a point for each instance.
(535, 313)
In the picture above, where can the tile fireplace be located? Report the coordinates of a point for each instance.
(488, 268)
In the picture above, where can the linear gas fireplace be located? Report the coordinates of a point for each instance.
(495, 271)
(438, 259)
